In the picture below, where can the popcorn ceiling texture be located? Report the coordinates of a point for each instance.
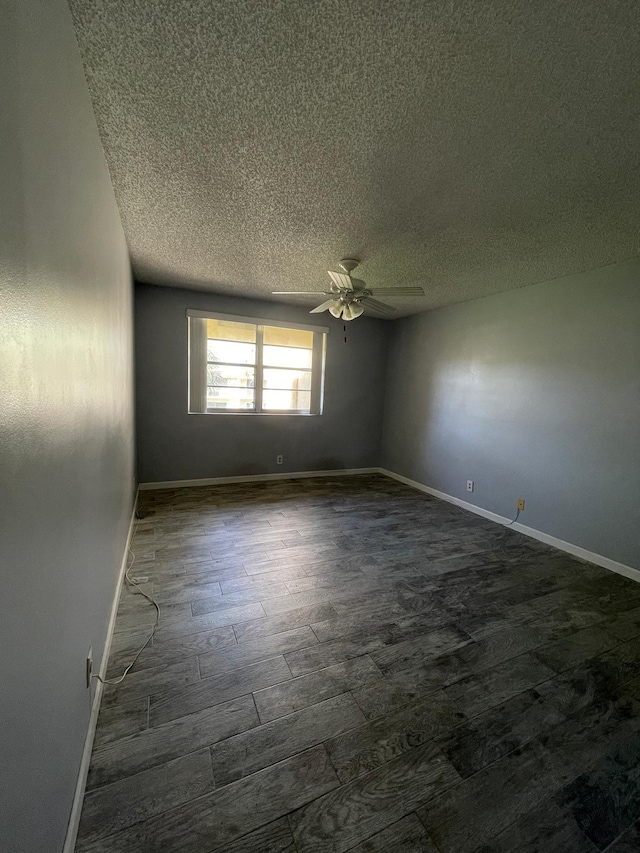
(469, 147)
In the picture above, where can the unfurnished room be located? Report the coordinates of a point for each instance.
(320, 426)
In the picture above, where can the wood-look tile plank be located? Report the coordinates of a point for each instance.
(235, 599)
(213, 821)
(195, 570)
(275, 837)
(169, 651)
(260, 628)
(290, 696)
(592, 683)
(626, 626)
(486, 738)
(188, 593)
(605, 801)
(217, 619)
(251, 651)
(407, 835)
(486, 803)
(365, 748)
(545, 829)
(281, 575)
(202, 578)
(267, 744)
(114, 807)
(479, 808)
(146, 616)
(401, 688)
(628, 842)
(291, 558)
(478, 693)
(353, 812)
(127, 641)
(174, 704)
(396, 626)
(576, 648)
(118, 721)
(420, 649)
(277, 606)
(313, 658)
(329, 580)
(155, 746)
(503, 646)
(148, 681)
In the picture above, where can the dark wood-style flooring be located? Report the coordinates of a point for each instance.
(347, 664)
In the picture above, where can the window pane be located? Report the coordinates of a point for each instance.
(231, 352)
(225, 330)
(287, 357)
(295, 380)
(225, 374)
(286, 400)
(288, 337)
(229, 398)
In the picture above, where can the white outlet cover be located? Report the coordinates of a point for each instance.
(469, 485)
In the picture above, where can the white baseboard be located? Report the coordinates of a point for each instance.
(76, 809)
(570, 548)
(256, 478)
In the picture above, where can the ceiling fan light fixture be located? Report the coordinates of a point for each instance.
(347, 314)
(350, 297)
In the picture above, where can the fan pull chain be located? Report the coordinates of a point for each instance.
(344, 328)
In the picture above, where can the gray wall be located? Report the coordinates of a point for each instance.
(66, 417)
(173, 445)
(533, 393)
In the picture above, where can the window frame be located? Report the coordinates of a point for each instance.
(197, 355)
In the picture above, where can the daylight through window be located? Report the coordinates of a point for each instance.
(252, 366)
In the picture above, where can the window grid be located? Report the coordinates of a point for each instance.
(303, 400)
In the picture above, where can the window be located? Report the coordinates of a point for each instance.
(241, 365)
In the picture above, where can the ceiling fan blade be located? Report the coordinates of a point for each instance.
(323, 307)
(341, 280)
(300, 292)
(368, 302)
(398, 291)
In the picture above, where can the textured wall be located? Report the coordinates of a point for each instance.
(66, 417)
(533, 393)
(173, 445)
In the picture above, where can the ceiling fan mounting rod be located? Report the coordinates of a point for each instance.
(348, 264)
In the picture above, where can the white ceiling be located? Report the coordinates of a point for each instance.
(469, 147)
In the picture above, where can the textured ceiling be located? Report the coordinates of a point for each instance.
(469, 147)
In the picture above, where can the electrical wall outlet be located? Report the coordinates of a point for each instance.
(278, 460)
(89, 666)
(469, 485)
(520, 504)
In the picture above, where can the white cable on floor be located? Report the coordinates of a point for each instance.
(135, 583)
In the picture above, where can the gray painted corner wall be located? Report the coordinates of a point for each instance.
(534, 393)
(66, 417)
(174, 445)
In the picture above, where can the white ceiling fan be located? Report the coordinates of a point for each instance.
(350, 296)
